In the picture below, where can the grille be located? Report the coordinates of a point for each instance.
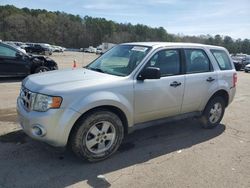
(26, 98)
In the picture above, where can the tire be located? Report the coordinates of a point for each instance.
(237, 67)
(97, 135)
(41, 69)
(213, 113)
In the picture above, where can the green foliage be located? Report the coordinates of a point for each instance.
(29, 25)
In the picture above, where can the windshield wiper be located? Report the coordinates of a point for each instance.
(95, 69)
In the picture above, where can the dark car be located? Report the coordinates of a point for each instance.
(238, 63)
(38, 49)
(14, 62)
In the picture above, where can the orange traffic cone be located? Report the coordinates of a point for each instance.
(74, 64)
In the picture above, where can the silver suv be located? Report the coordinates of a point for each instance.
(92, 108)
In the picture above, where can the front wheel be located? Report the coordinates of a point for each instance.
(97, 136)
(41, 69)
(213, 112)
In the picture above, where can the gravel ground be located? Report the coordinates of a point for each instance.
(178, 154)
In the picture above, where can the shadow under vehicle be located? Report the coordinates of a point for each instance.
(138, 148)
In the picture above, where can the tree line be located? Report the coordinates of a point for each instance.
(73, 31)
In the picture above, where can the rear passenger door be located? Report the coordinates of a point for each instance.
(200, 80)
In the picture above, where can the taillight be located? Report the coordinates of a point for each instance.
(234, 79)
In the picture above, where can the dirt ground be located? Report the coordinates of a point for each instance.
(178, 154)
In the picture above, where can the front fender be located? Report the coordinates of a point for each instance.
(105, 98)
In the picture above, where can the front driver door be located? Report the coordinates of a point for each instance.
(10, 64)
(159, 98)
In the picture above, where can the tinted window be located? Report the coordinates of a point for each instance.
(196, 61)
(168, 61)
(222, 59)
(37, 46)
(8, 52)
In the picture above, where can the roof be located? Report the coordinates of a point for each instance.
(176, 44)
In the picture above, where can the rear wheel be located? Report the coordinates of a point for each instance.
(213, 112)
(97, 136)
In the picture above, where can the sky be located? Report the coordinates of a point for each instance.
(185, 17)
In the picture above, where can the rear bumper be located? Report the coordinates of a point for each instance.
(232, 92)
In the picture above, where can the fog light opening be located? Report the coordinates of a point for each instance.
(38, 131)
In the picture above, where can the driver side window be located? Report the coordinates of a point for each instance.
(7, 52)
(168, 61)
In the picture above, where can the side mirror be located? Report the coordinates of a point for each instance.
(150, 73)
(19, 55)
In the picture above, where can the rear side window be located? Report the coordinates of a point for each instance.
(222, 59)
(196, 61)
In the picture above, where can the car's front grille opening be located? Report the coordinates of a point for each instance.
(26, 98)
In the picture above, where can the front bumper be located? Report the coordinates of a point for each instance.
(56, 124)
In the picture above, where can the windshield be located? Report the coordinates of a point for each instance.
(120, 60)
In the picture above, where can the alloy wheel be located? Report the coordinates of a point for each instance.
(100, 137)
(215, 113)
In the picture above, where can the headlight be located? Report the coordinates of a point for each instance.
(44, 102)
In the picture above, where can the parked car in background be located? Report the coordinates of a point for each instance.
(93, 108)
(20, 44)
(16, 46)
(238, 63)
(90, 49)
(99, 51)
(14, 62)
(36, 48)
(47, 46)
(57, 48)
(247, 68)
(240, 60)
(246, 60)
(105, 46)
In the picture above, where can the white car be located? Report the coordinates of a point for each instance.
(247, 68)
(93, 108)
(18, 47)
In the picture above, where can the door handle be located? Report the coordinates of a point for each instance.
(175, 84)
(210, 79)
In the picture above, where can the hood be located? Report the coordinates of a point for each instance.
(41, 57)
(54, 82)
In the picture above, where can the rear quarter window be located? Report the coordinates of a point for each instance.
(222, 59)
